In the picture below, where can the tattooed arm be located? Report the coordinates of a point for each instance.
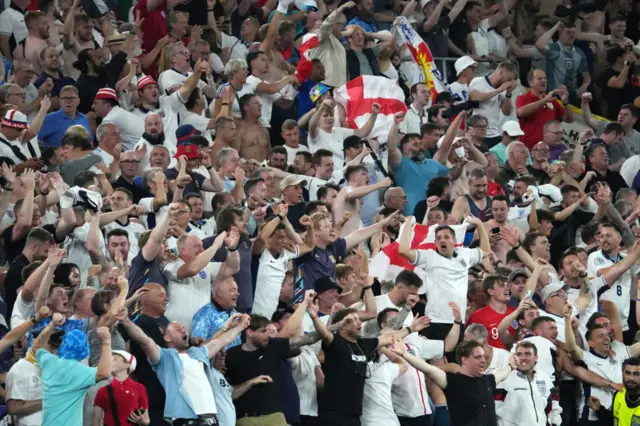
(310, 338)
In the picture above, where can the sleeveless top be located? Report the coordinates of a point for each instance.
(475, 210)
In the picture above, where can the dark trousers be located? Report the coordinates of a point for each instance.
(204, 420)
(333, 418)
(309, 421)
(416, 421)
(568, 398)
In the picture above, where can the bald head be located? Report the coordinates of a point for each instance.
(154, 300)
(153, 124)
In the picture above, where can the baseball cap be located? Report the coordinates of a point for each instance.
(15, 119)
(323, 284)
(184, 132)
(517, 273)
(463, 63)
(317, 91)
(551, 288)
(130, 359)
(512, 128)
(106, 93)
(145, 81)
(291, 180)
(423, 3)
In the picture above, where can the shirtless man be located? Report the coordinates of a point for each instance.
(348, 199)
(252, 141)
(499, 211)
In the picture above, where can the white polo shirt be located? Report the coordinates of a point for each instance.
(409, 391)
(237, 49)
(130, 125)
(12, 24)
(377, 408)
(188, 295)
(448, 281)
(413, 120)
(24, 384)
(271, 272)
(490, 108)
(607, 367)
(133, 229)
(383, 302)
(619, 291)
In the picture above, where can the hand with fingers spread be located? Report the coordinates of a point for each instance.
(398, 347)
(232, 238)
(457, 313)
(420, 323)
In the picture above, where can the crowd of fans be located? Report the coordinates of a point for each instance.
(195, 233)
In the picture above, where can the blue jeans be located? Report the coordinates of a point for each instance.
(441, 416)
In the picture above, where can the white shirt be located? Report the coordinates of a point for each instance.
(200, 122)
(303, 368)
(413, 120)
(266, 100)
(147, 205)
(77, 253)
(188, 295)
(573, 294)
(169, 108)
(607, 367)
(490, 108)
(409, 391)
(271, 272)
(196, 386)
(107, 158)
(208, 228)
(169, 78)
(383, 302)
(22, 310)
(144, 162)
(619, 291)
(460, 92)
(237, 50)
(377, 409)
(291, 152)
(546, 353)
(23, 384)
(134, 230)
(12, 24)
(130, 125)
(629, 169)
(23, 147)
(331, 141)
(448, 281)
(500, 359)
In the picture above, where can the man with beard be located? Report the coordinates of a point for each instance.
(56, 123)
(499, 212)
(447, 269)
(515, 405)
(411, 170)
(189, 390)
(50, 62)
(95, 75)
(107, 109)
(38, 28)
(153, 136)
(626, 402)
(476, 202)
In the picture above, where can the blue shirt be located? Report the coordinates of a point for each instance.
(369, 27)
(56, 124)
(414, 178)
(222, 392)
(58, 83)
(208, 320)
(64, 385)
(170, 372)
(304, 100)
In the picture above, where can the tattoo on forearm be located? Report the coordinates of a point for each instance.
(310, 338)
(628, 237)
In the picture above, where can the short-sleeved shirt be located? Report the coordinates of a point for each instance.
(12, 25)
(488, 317)
(143, 271)
(317, 263)
(490, 108)
(563, 66)
(331, 141)
(23, 384)
(414, 178)
(209, 320)
(194, 186)
(345, 369)
(471, 398)
(55, 126)
(64, 386)
(244, 365)
(128, 395)
(154, 25)
(532, 126)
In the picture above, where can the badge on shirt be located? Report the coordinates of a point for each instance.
(463, 262)
(599, 261)
(203, 274)
(542, 386)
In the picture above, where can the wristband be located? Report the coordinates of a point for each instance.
(508, 95)
(516, 247)
(231, 250)
(409, 329)
(457, 322)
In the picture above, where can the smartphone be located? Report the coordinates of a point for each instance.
(495, 230)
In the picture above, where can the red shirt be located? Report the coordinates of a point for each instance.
(128, 395)
(154, 26)
(494, 188)
(491, 319)
(532, 126)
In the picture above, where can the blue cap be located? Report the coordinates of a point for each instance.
(74, 346)
(184, 132)
(317, 91)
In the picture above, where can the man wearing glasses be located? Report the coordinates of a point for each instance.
(56, 123)
(540, 167)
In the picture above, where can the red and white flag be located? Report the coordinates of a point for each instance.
(303, 69)
(387, 264)
(358, 96)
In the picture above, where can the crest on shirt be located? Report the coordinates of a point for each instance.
(203, 274)
(463, 262)
(542, 386)
(599, 261)
(612, 361)
(161, 113)
(515, 324)
(332, 259)
(550, 105)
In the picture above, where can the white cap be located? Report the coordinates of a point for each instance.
(130, 359)
(512, 128)
(553, 287)
(550, 191)
(457, 138)
(423, 3)
(463, 63)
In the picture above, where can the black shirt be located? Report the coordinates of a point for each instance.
(613, 179)
(266, 398)
(13, 247)
(563, 233)
(470, 400)
(13, 281)
(539, 175)
(138, 193)
(295, 213)
(345, 369)
(88, 85)
(615, 98)
(194, 186)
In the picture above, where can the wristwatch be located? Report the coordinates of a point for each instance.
(508, 95)
(33, 319)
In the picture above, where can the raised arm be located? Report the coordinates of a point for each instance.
(198, 264)
(363, 234)
(156, 238)
(325, 334)
(104, 363)
(365, 130)
(442, 153)
(586, 111)
(436, 375)
(25, 215)
(404, 246)
(41, 341)
(393, 142)
(232, 329)
(542, 44)
(572, 347)
(150, 348)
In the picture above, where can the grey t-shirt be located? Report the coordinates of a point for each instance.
(365, 67)
(95, 344)
(627, 147)
(70, 169)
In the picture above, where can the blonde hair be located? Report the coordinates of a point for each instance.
(316, 218)
(77, 130)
